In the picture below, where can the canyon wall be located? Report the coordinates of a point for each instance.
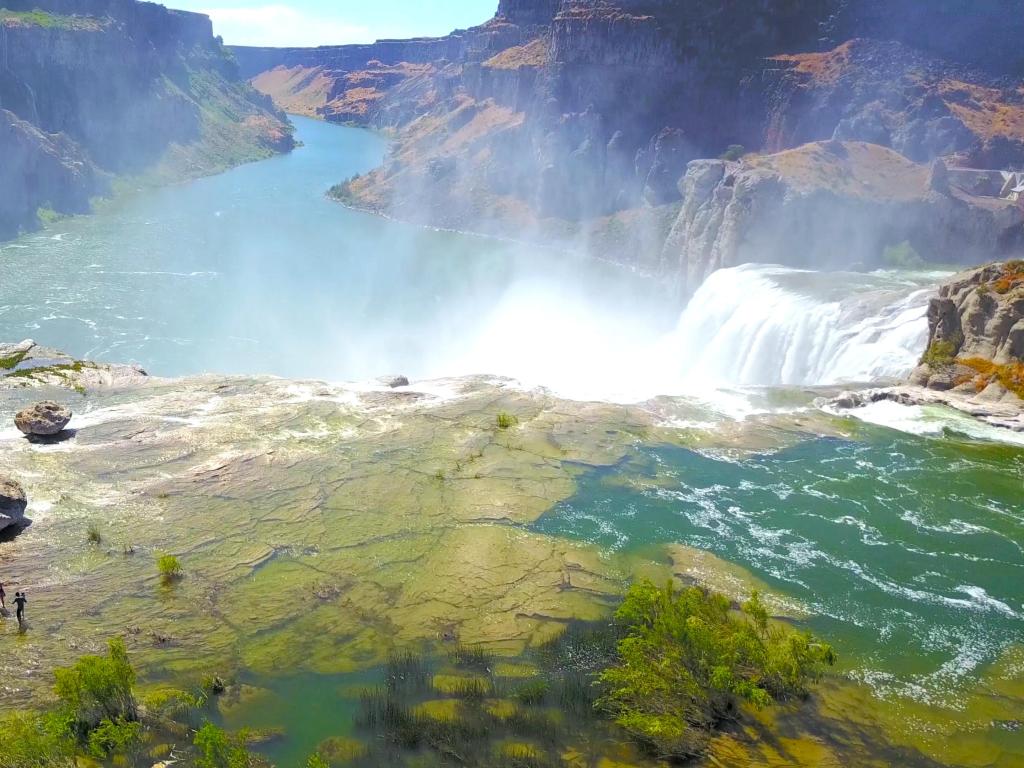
(578, 120)
(117, 88)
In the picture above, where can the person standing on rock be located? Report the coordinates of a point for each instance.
(20, 600)
(3, 598)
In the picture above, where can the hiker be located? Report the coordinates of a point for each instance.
(3, 595)
(20, 600)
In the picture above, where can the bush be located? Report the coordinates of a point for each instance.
(941, 352)
(506, 420)
(733, 153)
(36, 741)
(685, 662)
(169, 567)
(114, 737)
(93, 534)
(219, 750)
(98, 688)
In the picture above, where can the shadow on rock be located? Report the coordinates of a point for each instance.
(60, 437)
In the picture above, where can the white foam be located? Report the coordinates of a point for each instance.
(932, 420)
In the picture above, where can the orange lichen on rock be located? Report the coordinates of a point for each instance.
(1010, 375)
(823, 68)
(533, 54)
(851, 168)
(987, 112)
(1011, 277)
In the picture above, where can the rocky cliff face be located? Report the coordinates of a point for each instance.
(829, 205)
(976, 335)
(887, 93)
(118, 88)
(580, 117)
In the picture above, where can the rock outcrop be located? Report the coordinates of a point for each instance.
(97, 88)
(974, 361)
(26, 364)
(828, 205)
(887, 93)
(43, 419)
(13, 503)
(976, 335)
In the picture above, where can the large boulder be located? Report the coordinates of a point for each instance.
(394, 381)
(44, 419)
(12, 504)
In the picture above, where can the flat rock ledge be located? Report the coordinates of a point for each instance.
(27, 364)
(1006, 414)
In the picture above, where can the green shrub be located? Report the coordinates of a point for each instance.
(685, 663)
(217, 749)
(97, 688)
(734, 152)
(93, 534)
(169, 567)
(941, 352)
(315, 761)
(36, 741)
(114, 737)
(506, 420)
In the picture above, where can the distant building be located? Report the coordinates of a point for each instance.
(1013, 189)
(1007, 185)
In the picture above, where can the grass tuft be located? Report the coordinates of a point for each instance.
(169, 567)
(506, 420)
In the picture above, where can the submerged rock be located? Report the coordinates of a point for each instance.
(45, 418)
(12, 503)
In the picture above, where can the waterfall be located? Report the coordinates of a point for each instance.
(767, 325)
(753, 325)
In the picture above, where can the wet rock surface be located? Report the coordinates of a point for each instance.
(45, 419)
(13, 503)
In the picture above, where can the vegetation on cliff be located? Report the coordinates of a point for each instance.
(48, 20)
(129, 93)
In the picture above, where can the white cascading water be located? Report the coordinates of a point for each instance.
(765, 325)
(754, 325)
